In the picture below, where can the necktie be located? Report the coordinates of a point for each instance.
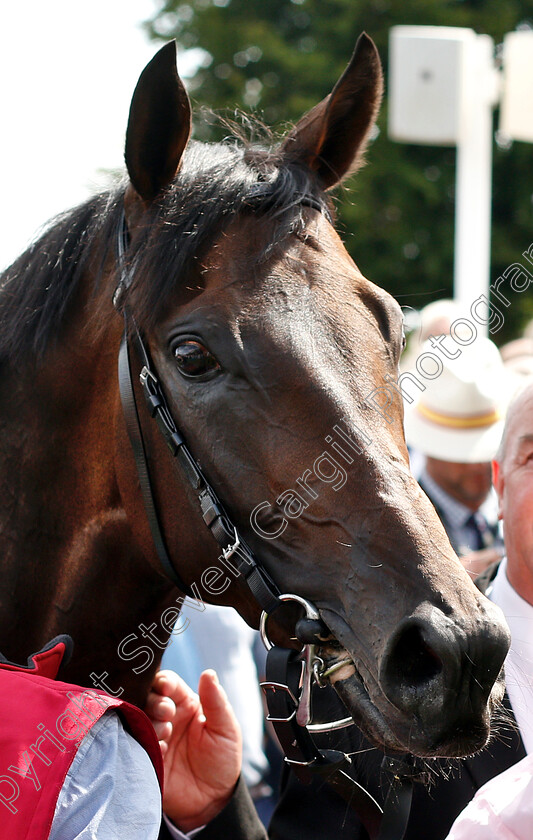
(481, 533)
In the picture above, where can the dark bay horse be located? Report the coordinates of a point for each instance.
(267, 339)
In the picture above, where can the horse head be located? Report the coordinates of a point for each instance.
(268, 341)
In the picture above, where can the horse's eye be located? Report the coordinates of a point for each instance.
(193, 359)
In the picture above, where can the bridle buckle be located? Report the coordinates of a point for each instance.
(232, 549)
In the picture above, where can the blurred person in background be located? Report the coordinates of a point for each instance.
(434, 319)
(517, 357)
(454, 424)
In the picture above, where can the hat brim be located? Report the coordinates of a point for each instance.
(464, 446)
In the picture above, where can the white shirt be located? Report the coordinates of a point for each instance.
(502, 809)
(111, 790)
(519, 662)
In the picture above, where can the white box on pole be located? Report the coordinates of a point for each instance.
(426, 83)
(442, 88)
(516, 114)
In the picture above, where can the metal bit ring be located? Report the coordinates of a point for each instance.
(310, 610)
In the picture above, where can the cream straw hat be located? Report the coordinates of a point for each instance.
(459, 416)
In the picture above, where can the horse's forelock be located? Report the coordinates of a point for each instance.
(214, 184)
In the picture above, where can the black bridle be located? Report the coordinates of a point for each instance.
(289, 673)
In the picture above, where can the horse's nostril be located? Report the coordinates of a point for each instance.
(417, 665)
(413, 659)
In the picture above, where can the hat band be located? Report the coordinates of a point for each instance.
(477, 422)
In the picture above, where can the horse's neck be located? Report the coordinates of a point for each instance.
(68, 557)
(48, 422)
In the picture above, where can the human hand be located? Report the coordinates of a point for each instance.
(201, 745)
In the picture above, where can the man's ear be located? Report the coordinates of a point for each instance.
(498, 482)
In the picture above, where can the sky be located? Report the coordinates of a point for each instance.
(68, 69)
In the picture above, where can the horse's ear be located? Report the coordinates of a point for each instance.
(331, 138)
(159, 125)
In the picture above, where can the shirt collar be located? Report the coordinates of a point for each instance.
(515, 608)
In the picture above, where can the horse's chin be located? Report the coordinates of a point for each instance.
(392, 735)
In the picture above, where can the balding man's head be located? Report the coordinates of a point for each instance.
(513, 480)
(519, 402)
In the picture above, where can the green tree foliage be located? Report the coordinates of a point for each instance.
(280, 57)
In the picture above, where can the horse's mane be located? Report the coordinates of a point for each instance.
(214, 183)
(38, 288)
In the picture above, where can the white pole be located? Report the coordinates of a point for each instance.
(474, 175)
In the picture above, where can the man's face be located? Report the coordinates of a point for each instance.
(513, 479)
(466, 483)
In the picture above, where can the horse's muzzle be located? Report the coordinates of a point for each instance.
(443, 679)
(437, 684)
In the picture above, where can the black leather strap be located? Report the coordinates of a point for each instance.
(282, 689)
(129, 407)
(399, 798)
(234, 549)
